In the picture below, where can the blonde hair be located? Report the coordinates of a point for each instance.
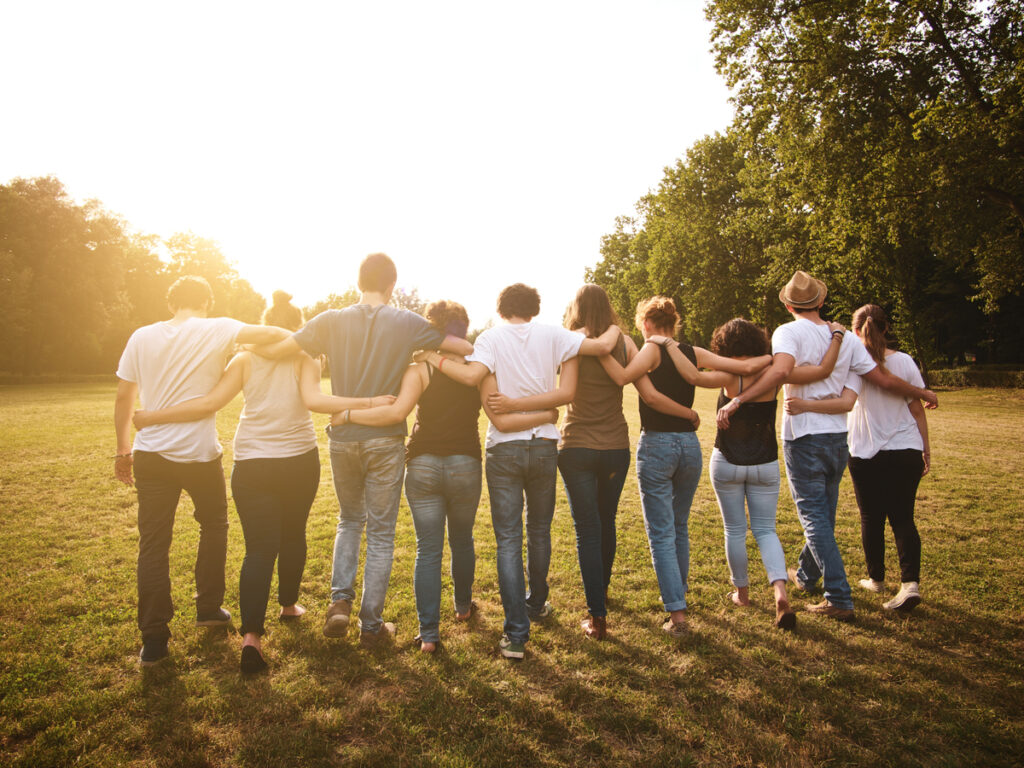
(660, 312)
(871, 323)
(283, 313)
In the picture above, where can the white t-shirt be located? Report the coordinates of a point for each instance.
(881, 420)
(807, 342)
(524, 358)
(174, 363)
(275, 423)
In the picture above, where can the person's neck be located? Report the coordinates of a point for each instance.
(181, 315)
(374, 298)
(516, 320)
(814, 317)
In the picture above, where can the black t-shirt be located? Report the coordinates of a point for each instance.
(750, 438)
(667, 380)
(447, 420)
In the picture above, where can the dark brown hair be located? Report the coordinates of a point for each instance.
(661, 312)
(591, 309)
(377, 273)
(872, 325)
(448, 317)
(283, 313)
(519, 300)
(190, 292)
(740, 338)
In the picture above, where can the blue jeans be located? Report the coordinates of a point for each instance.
(814, 465)
(439, 489)
(758, 486)
(368, 480)
(593, 482)
(518, 469)
(668, 466)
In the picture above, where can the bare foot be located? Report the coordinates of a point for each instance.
(741, 596)
(292, 611)
(428, 647)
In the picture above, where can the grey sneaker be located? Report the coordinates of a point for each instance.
(543, 613)
(385, 634)
(871, 585)
(906, 600)
(511, 649)
(338, 616)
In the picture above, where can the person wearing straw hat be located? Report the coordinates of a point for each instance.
(814, 444)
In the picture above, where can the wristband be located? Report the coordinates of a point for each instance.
(122, 456)
(440, 366)
(347, 415)
(841, 334)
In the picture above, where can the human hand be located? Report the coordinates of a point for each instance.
(661, 341)
(927, 456)
(833, 327)
(141, 419)
(722, 417)
(379, 400)
(794, 406)
(499, 403)
(123, 469)
(695, 419)
(931, 400)
(422, 356)
(553, 416)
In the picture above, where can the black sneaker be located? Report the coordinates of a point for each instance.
(252, 662)
(153, 652)
(217, 618)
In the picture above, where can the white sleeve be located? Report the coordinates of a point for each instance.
(861, 361)
(483, 352)
(784, 341)
(905, 367)
(128, 365)
(568, 344)
(854, 382)
(229, 328)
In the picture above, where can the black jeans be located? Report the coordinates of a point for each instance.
(886, 486)
(273, 498)
(159, 483)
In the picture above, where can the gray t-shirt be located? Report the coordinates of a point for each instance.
(368, 349)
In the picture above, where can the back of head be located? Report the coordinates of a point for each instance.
(740, 338)
(283, 313)
(660, 312)
(591, 309)
(872, 325)
(519, 300)
(190, 292)
(377, 273)
(448, 317)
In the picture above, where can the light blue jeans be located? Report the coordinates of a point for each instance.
(758, 486)
(668, 467)
(518, 469)
(814, 466)
(368, 480)
(440, 489)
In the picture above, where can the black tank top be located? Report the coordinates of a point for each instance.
(447, 420)
(750, 438)
(667, 380)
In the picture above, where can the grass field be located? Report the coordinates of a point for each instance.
(944, 687)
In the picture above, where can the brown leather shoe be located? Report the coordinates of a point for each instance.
(338, 616)
(827, 609)
(595, 627)
(385, 634)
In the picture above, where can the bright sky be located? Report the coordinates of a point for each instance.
(477, 143)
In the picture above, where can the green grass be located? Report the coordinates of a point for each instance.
(944, 687)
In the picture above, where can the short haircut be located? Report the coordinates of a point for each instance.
(661, 312)
(448, 317)
(519, 300)
(190, 292)
(377, 273)
(740, 338)
(803, 310)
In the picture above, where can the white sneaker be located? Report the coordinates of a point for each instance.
(906, 600)
(871, 585)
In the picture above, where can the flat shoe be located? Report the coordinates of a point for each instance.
(252, 661)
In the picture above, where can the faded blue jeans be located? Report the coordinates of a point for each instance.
(668, 467)
(518, 469)
(758, 486)
(440, 489)
(814, 466)
(368, 480)
(593, 483)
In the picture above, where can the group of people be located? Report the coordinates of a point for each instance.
(384, 362)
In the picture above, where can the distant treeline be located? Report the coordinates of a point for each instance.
(877, 145)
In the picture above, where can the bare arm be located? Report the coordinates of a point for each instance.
(782, 365)
(470, 374)
(603, 344)
(562, 394)
(314, 398)
(917, 411)
(456, 345)
(276, 350)
(807, 374)
(262, 334)
(664, 403)
(230, 384)
(639, 364)
(413, 384)
(512, 422)
(898, 386)
(709, 379)
(735, 365)
(124, 404)
(842, 404)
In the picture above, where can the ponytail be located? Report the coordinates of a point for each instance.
(872, 325)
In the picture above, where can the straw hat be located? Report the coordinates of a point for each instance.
(803, 291)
